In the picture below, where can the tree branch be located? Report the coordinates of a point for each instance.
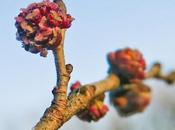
(55, 118)
(77, 103)
(62, 107)
(156, 72)
(53, 115)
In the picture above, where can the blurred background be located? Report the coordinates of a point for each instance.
(100, 26)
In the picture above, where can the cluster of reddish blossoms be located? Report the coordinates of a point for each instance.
(95, 111)
(132, 98)
(127, 63)
(39, 26)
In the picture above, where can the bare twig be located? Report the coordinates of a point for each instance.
(156, 72)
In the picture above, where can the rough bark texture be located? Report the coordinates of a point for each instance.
(56, 115)
(53, 115)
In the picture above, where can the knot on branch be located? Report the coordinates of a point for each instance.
(53, 114)
(69, 68)
(58, 90)
(59, 98)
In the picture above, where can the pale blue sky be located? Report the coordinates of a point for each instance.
(100, 26)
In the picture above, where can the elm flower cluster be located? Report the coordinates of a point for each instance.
(39, 26)
(131, 99)
(128, 63)
(96, 109)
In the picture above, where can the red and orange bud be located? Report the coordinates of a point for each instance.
(98, 110)
(75, 86)
(132, 100)
(39, 26)
(95, 111)
(121, 101)
(127, 63)
(104, 109)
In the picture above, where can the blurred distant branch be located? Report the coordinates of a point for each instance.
(156, 72)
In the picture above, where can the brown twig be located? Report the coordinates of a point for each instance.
(156, 72)
(53, 115)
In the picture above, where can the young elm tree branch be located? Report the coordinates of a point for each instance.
(41, 27)
(53, 115)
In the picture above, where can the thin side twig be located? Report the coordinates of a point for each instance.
(156, 72)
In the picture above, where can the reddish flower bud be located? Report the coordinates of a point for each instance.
(104, 109)
(39, 26)
(75, 86)
(121, 101)
(127, 63)
(96, 110)
(132, 100)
